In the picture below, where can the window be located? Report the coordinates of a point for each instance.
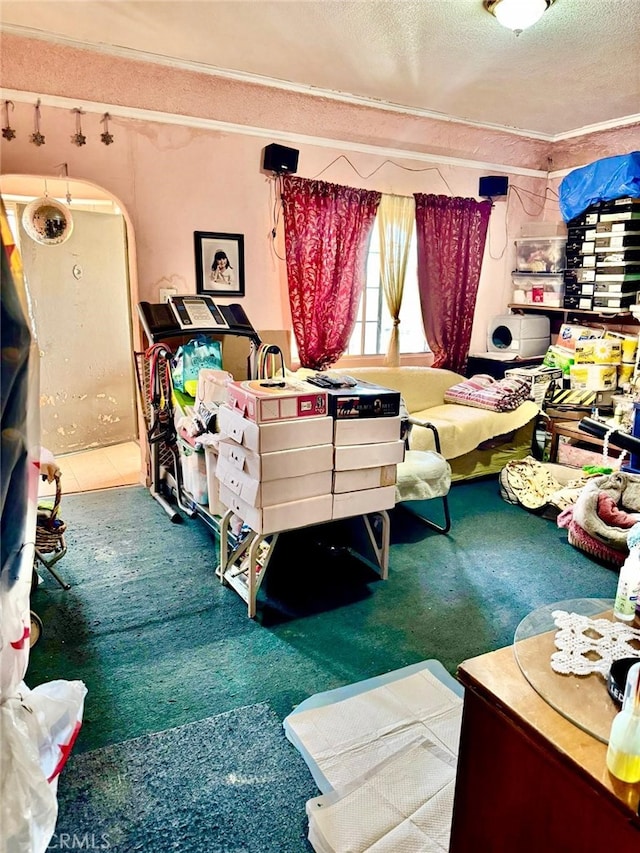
(373, 328)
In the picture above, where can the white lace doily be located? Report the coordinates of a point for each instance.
(591, 645)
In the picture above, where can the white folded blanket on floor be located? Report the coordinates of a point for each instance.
(385, 758)
(405, 805)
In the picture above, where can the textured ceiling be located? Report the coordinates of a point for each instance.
(578, 66)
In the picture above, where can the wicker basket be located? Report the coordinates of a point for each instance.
(49, 528)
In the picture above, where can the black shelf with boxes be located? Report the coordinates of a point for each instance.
(603, 257)
(593, 272)
(587, 286)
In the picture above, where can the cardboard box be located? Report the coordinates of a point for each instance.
(364, 400)
(613, 304)
(614, 242)
(268, 400)
(368, 500)
(286, 516)
(629, 226)
(213, 485)
(579, 275)
(352, 456)
(567, 399)
(579, 288)
(364, 478)
(272, 492)
(539, 377)
(281, 435)
(569, 334)
(280, 463)
(366, 431)
(598, 351)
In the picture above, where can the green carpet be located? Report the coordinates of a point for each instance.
(159, 642)
(205, 787)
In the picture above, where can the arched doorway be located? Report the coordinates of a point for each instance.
(81, 303)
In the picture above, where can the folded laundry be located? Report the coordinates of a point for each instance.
(485, 392)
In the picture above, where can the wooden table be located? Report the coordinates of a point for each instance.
(570, 430)
(528, 779)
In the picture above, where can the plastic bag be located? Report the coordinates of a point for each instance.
(190, 359)
(603, 180)
(39, 728)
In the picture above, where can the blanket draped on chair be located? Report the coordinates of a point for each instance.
(485, 392)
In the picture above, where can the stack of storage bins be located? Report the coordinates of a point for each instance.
(617, 246)
(368, 448)
(275, 457)
(292, 454)
(538, 277)
(603, 257)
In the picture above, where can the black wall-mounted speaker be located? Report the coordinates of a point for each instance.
(279, 158)
(492, 186)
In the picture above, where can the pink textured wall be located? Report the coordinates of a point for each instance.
(85, 75)
(174, 180)
(581, 150)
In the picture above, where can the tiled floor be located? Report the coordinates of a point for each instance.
(103, 468)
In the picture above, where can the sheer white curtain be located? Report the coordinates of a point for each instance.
(396, 216)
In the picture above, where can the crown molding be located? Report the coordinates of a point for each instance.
(612, 124)
(120, 112)
(287, 86)
(260, 80)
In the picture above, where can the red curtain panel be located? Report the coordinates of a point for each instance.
(451, 235)
(327, 230)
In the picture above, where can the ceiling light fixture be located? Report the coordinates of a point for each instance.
(517, 15)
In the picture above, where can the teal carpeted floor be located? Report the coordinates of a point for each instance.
(160, 643)
(208, 786)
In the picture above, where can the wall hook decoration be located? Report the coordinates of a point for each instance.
(36, 137)
(78, 137)
(8, 132)
(105, 136)
(64, 167)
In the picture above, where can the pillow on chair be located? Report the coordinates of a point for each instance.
(423, 475)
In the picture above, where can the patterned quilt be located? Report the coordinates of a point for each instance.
(485, 392)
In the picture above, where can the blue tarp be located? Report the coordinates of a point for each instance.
(603, 180)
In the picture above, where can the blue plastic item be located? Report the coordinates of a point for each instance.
(603, 180)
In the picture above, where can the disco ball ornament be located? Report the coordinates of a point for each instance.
(47, 221)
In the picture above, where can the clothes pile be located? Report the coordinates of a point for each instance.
(484, 392)
(605, 511)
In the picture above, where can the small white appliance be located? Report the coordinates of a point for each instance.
(521, 335)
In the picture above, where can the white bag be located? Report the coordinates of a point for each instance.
(38, 729)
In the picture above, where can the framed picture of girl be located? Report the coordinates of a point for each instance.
(219, 263)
